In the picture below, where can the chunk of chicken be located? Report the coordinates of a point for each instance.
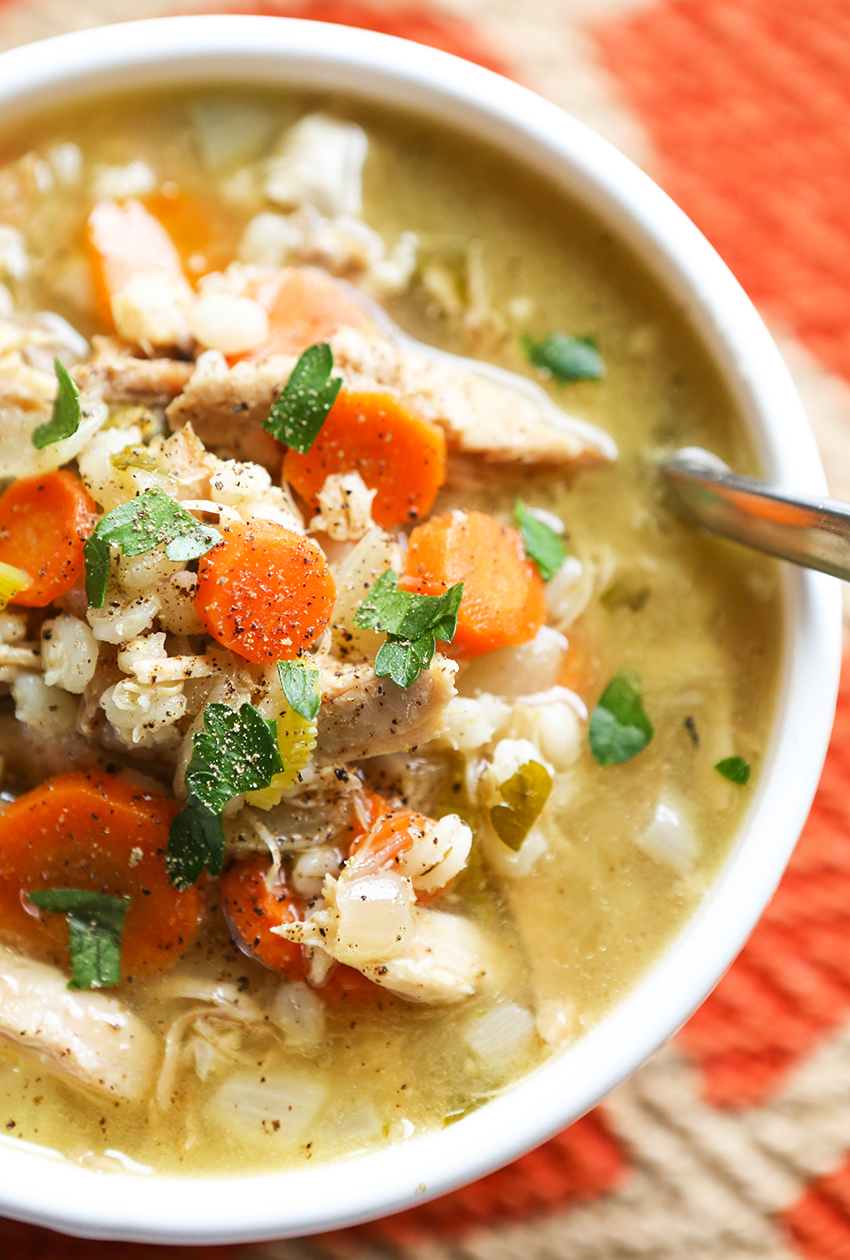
(90, 1037)
(444, 959)
(227, 406)
(482, 410)
(320, 163)
(121, 378)
(365, 716)
(370, 922)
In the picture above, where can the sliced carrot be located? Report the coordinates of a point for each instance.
(102, 834)
(398, 455)
(44, 523)
(504, 598)
(204, 235)
(252, 908)
(391, 834)
(346, 986)
(121, 242)
(304, 305)
(264, 592)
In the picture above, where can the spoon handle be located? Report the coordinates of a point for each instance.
(806, 530)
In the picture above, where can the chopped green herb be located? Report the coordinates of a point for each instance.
(567, 358)
(524, 794)
(67, 412)
(302, 406)
(153, 519)
(97, 556)
(299, 687)
(195, 841)
(619, 726)
(542, 544)
(735, 769)
(412, 624)
(621, 594)
(237, 752)
(95, 925)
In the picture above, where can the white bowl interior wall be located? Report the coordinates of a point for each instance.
(304, 54)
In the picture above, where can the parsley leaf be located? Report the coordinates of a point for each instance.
(236, 753)
(150, 520)
(619, 726)
(195, 841)
(567, 358)
(735, 769)
(95, 925)
(299, 687)
(302, 406)
(412, 623)
(542, 544)
(525, 794)
(67, 412)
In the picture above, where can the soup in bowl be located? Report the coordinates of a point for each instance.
(386, 768)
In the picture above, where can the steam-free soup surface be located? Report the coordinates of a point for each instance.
(252, 1074)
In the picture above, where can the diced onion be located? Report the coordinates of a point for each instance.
(278, 1104)
(374, 917)
(501, 1035)
(668, 839)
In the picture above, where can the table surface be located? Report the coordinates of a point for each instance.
(734, 1141)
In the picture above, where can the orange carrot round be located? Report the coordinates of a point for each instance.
(101, 834)
(202, 233)
(122, 241)
(252, 909)
(398, 455)
(304, 305)
(264, 592)
(44, 523)
(504, 597)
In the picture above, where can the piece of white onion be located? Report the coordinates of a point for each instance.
(280, 1104)
(501, 1035)
(668, 839)
(375, 916)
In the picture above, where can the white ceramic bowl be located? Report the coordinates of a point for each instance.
(278, 51)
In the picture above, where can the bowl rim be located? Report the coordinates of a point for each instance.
(50, 1191)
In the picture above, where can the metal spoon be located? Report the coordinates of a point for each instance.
(802, 528)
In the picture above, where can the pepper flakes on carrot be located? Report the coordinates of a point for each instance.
(264, 592)
(252, 907)
(398, 455)
(104, 834)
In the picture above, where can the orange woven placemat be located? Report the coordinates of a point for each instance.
(734, 1141)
